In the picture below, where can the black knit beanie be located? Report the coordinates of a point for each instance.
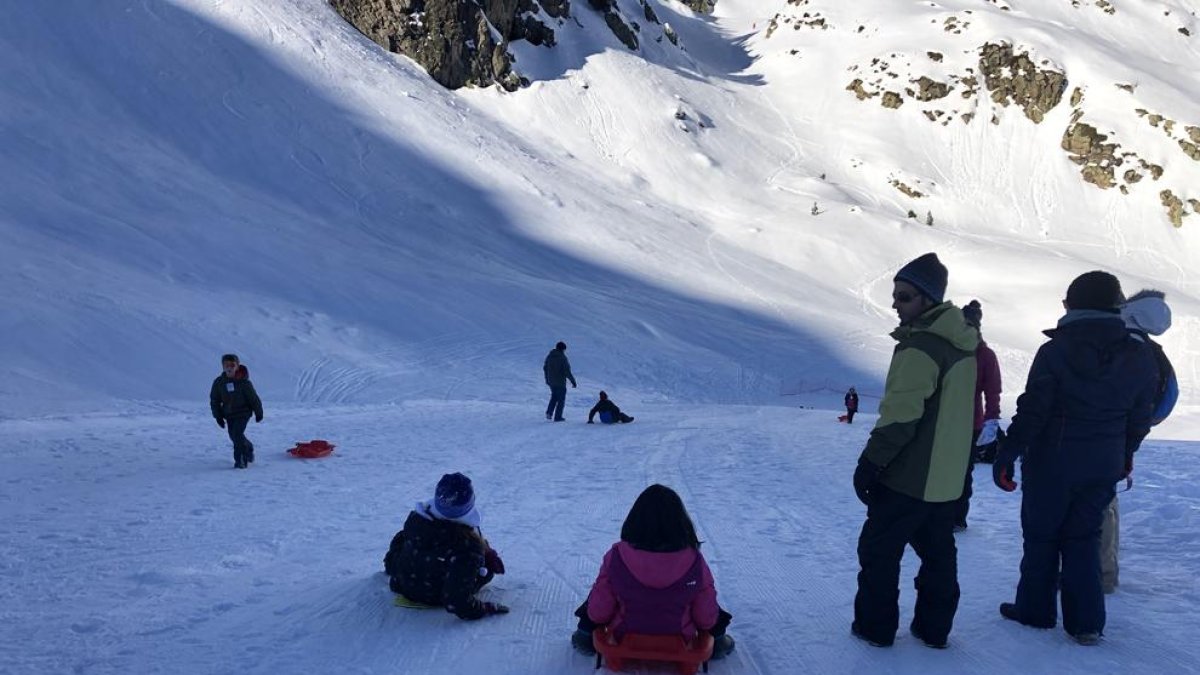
(927, 274)
(1095, 290)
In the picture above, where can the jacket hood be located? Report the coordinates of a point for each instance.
(1148, 312)
(1095, 339)
(945, 321)
(654, 569)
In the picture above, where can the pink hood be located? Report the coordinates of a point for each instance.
(655, 570)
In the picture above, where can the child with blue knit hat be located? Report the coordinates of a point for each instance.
(440, 557)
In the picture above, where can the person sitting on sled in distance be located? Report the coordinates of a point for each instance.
(655, 581)
(608, 411)
(440, 557)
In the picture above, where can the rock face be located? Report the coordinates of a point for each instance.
(1016, 78)
(456, 40)
(702, 6)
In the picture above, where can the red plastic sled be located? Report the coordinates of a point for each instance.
(843, 418)
(311, 449)
(688, 657)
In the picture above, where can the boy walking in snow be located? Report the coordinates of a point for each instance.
(557, 370)
(911, 471)
(851, 405)
(233, 400)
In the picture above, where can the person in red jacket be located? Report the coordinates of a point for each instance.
(851, 405)
(655, 581)
(987, 409)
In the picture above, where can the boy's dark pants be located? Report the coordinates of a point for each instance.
(243, 449)
(1061, 523)
(893, 521)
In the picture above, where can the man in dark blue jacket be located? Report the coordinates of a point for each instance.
(557, 370)
(1086, 407)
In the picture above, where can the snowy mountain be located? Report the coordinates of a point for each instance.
(711, 221)
(260, 177)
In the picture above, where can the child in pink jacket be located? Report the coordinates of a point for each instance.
(655, 580)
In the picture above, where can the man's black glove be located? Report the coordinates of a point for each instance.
(1004, 468)
(257, 417)
(491, 608)
(866, 476)
(221, 422)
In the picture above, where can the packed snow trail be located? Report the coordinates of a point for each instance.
(129, 544)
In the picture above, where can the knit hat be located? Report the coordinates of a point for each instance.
(973, 313)
(603, 396)
(1095, 290)
(454, 497)
(561, 346)
(927, 274)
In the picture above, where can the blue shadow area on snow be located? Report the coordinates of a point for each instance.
(363, 187)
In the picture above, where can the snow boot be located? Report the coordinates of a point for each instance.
(874, 643)
(581, 641)
(1009, 611)
(1087, 639)
(722, 646)
(912, 628)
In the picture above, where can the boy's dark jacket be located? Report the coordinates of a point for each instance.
(605, 405)
(437, 562)
(1087, 403)
(233, 397)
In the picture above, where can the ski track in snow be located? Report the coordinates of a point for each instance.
(129, 545)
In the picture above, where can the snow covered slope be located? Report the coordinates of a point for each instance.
(165, 560)
(393, 260)
(188, 178)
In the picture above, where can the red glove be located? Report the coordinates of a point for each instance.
(1002, 475)
(492, 561)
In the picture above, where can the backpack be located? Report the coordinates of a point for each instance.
(1168, 386)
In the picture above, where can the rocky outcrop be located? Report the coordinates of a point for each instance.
(459, 42)
(1015, 78)
(1176, 211)
(612, 18)
(701, 6)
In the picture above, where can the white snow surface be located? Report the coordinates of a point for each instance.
(393, 260)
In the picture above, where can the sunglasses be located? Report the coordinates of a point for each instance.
(904, 298)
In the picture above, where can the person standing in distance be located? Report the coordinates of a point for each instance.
(557, 370)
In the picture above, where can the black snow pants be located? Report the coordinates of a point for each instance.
(963, 506)
(895, 520)
(243, 449)
(1061, 527)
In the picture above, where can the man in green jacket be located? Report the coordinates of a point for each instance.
(911, 472)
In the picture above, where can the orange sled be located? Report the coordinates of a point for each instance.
(688, 657)
(311, 449)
